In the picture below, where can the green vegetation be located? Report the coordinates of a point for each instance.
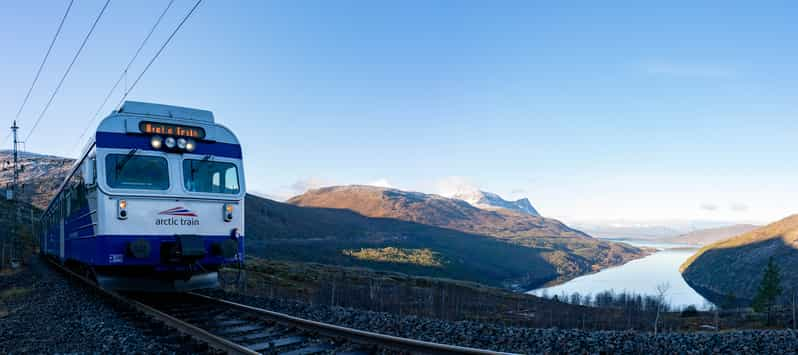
(769, 289)
(399, 293)
(13, 292)
(738, 265)
(491, 247)
(423, 257)
(21, 243)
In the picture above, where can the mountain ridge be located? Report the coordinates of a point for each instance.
(712, 235)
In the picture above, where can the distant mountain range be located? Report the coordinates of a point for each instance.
(712, 235)
(489, 201)
(736, 265)
(655, 230)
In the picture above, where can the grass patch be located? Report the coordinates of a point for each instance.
(13, 292)
(9, 271)
(422, 257)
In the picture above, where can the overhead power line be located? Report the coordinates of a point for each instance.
(66, 73)
(41, 66)
(122, 75)
(165, 43)
(46, 55)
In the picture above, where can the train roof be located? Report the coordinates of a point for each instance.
(166, 111)
(128, 117)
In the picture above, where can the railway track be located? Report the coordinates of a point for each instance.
(230, 327)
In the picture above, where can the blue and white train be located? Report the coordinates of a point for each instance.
(155, 202)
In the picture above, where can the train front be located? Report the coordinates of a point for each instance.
(171, 188)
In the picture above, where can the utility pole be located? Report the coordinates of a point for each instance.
(13, 194)
(14, 129)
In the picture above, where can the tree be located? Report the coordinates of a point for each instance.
(730, 301)
(769, 288)
(662, 291)
(794, 300)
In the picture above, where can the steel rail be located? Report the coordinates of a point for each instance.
(195, 332)
(355, 335)
(332, 331)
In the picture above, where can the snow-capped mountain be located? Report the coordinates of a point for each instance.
(489, 200)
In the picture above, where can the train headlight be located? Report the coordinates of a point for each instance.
(156, 142)
(181, 143)
(121, 209)
(191, 145)
(170, 142)
(228, 212)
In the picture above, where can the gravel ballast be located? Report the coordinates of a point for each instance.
(533, 340)
(50, 314)
(47, 313)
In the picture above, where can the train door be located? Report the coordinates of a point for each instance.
(43, 235)
(61, 227)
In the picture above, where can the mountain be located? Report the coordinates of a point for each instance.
(567, 251)
(627, 231)
(434, 210)
(40, 175)
(712, 235)
(736, 265)
(491, 201)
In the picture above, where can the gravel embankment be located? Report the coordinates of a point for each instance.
(46, 313)
(534, 341)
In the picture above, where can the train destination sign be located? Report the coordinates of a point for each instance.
(171, 130)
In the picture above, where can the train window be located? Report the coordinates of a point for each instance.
(210, 176)
(142, 172)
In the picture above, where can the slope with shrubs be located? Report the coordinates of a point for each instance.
(735, 266)
(510, 248)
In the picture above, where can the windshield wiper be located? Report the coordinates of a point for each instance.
(121, 164)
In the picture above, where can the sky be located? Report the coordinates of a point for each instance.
(599, 110)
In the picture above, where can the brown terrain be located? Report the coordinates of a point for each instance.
(735, 266)
(569, 251)
(40, 175)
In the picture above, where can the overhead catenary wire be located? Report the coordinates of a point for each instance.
(122, 75)
(41, 66)
(66, 73)
(160, 50)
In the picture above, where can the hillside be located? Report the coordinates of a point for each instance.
(41, 175)
(736, 265)
(712, 235)
(287, 232)
(570, 252)
(434, 210)
(492, 201)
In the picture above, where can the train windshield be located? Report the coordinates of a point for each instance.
(210, 176)
(127, 171)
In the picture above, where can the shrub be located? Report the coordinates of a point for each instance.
(690, 311)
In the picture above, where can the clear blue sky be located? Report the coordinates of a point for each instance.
(615, 110)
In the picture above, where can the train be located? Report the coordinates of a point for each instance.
(155, 202)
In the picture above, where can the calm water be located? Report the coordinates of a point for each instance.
(640, 276)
